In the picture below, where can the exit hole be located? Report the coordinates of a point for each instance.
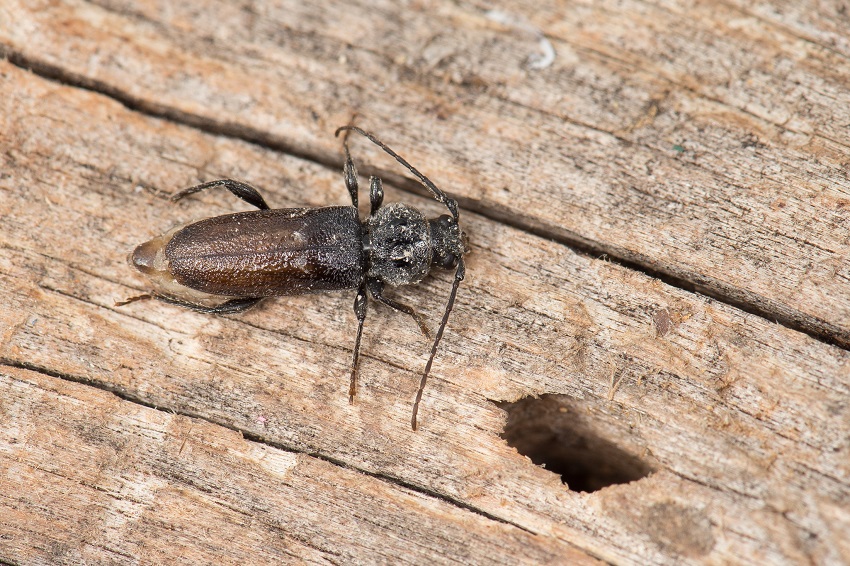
(558, 433)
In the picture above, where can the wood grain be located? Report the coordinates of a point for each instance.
(161, 488)
(631, 143)
(663, 135)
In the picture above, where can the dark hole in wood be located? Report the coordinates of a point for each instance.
(556, 432)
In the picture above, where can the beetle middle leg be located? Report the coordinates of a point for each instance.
(241, 190)
(376, 194)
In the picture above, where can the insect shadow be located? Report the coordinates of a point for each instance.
(227, 264)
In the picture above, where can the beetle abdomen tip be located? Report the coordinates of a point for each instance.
(143, 257)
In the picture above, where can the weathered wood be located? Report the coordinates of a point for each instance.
(745, 422)
(89, 478)
(664, 135)
(733, 410)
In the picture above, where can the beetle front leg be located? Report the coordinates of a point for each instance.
(241, 190)
(376, 288)
(360, 302)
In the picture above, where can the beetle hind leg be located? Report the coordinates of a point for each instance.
(232, 306)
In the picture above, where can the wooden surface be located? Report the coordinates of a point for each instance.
(700, 147)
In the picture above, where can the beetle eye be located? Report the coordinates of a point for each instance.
(448, 261)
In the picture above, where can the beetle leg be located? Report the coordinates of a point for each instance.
(349, 172)
(144, 297)
(376, 193)
(360, 302)
(232, 306)
(376, 288)
(244, 191)
(439, 195)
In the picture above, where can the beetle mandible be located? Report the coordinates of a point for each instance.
(227, 264)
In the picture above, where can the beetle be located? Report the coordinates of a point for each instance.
(227, 264)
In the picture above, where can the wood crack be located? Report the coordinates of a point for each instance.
(259, 439)
(671, 275)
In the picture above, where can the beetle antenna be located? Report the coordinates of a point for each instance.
(459, 274)
(449, 203)
(441, 197)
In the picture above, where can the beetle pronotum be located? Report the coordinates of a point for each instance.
(227, 264)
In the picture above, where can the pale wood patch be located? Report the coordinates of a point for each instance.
(704, 144)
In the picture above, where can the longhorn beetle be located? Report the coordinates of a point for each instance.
(227, 264)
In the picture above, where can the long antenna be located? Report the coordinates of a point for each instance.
(451, 204)
(441, 197)
(459, 274)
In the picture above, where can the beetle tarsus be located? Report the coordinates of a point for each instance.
(129, 300)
